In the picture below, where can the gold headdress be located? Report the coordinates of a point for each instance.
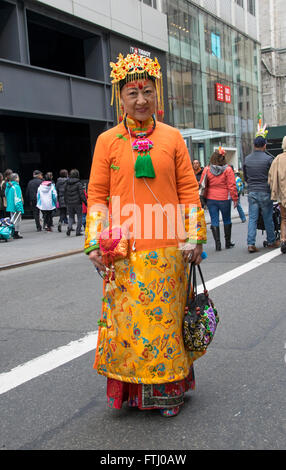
(134, 67)
(261, 131)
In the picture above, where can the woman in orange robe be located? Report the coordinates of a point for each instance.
(142, 176)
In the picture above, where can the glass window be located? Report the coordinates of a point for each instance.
(251, 6)
(239, 2)
(215, 45)
(175, 98)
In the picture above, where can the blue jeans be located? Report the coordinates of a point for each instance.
(260, 200)
(215, 207)
(240, 210)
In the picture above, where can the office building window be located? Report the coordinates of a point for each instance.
(215, 45)
(251, 7)
(239, 2)
(151, 3)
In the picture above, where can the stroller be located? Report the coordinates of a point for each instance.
(7, 227)
(276, 221)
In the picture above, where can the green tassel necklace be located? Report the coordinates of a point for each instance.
(143, 165)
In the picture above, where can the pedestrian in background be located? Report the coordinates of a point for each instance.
(220, 184)
(256, 168)
(74, 197)
(31, 196)
(197, 169)
(240, 189)
(7, 177)
(2, 197)
(14, 199)
(47, 200)
(277, 182)
(60, 187)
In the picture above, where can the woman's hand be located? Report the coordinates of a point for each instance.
(96, 259)
(235, 204)
(192, 253)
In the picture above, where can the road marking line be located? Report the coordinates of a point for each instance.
(240, 270)
(57, 357)
(42, 364)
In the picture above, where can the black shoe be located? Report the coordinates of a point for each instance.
(16, 236)
(283, 247)
(59, 227)
(68, 232)
(39, 229)
(78, 234)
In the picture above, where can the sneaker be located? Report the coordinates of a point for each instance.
(79, 234)
(276, 244)
(252, 249)
(283, 247)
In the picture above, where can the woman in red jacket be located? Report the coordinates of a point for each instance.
(221, 190)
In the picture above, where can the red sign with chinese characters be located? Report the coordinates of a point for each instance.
(219, 92)
(222, 93)
(227, 94)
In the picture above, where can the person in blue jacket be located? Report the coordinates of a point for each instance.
(13, 194)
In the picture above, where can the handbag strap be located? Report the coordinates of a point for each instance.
(193, 267)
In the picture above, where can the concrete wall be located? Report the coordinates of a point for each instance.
(233, 14)
(130, 18)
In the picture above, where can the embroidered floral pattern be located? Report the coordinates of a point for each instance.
(141, 339)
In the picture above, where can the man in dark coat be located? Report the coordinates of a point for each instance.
(60, 187)
(31, 196)
(74, 197)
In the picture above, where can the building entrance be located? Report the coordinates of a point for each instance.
(29, 144)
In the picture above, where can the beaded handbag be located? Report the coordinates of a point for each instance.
(201, 317)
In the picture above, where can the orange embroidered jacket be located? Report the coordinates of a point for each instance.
(159, 212)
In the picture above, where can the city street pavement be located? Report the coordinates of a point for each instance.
(41, 246)
(239, 398)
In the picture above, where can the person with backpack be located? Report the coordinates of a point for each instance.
(47, 200)
(14, 198)
(74, 197)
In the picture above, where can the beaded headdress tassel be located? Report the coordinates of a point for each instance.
(135, 67)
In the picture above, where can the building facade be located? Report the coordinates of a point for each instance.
(55, 89)
(214, 88)
(273, 70)
(54, 75)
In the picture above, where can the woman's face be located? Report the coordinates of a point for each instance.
(138, 99)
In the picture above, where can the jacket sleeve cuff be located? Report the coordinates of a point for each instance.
(195, 225)
(93, 245)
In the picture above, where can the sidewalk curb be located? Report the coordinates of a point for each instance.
(55, 256)
(39, 260)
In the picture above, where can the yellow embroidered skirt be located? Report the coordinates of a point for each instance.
(140, 334)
